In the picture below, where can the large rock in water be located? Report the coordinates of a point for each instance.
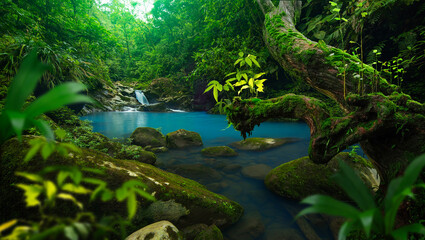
(183, 138)
(203, 206)
(219, 151)
(148, 137)
(261, 144)
(302, 177)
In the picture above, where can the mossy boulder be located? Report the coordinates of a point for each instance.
(183, 138)
(87, 139)
(148, 137)
(137, 153)
(219, 151)
(261, 144)
(210, 233)
(203, 206)
(302, 177)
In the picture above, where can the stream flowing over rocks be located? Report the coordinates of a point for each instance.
(160, 96)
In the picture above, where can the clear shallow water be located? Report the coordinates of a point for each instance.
(267, 216)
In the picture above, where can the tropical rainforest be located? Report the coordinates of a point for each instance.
(351, 70)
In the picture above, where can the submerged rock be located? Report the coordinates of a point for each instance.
(210, 233)
(249, 228)
(261, 144)
(220, 151)
(282, 232)
(183, 138)
(257, 171)
(197, 172)
(148, 137)
(302, 177)
(163, 230)
(203, 206)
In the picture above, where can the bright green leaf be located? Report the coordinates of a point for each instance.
(248, 61)
(131, 204)
(144, 194)
(69, 197)
(7, 225)
(328, 205)
(70, 233)
(351, 183)
(30, 176)
(31, 193)
(51, 190)
(75, 189)
(64, 94)
(215, 94)
(24, 82)
(47, 150)
(240, 83)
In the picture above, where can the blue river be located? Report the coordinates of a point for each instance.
(267, 216)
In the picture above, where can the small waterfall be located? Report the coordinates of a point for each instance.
(141, 97)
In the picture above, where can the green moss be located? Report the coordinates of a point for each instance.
(301, 177)
(219, 151)
(166, 186)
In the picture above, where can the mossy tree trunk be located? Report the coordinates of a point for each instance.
(389, 126)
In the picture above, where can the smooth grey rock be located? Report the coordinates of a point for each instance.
(163, 230)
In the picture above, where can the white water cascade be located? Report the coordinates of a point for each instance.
(141, 97)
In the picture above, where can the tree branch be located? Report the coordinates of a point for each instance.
(246, 114)
(266, 6)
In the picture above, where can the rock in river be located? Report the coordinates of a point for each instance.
(183, 138)
(261, 144)
(148, 137)
(219, 151)
(257, 171)
(302, 177)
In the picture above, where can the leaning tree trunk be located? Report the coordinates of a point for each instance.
(389, 126)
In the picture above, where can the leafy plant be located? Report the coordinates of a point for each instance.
(243, 78)
(370, 216)
(14, 119)
(70, 181)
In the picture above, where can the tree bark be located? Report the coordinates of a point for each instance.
(389, 126)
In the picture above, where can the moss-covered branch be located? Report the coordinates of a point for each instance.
(391, 129)
(246, 114)
(325, 68)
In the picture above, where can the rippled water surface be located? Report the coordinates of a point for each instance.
(267, 216)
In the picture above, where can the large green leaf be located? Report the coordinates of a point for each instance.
(58, 97)
(131, 204)
(402, 233)
(44, 128)
(24, 82)
(412, 172)
(351, 183)
(366, 218)
(17, 120)
(328, 205)
(70, 233)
